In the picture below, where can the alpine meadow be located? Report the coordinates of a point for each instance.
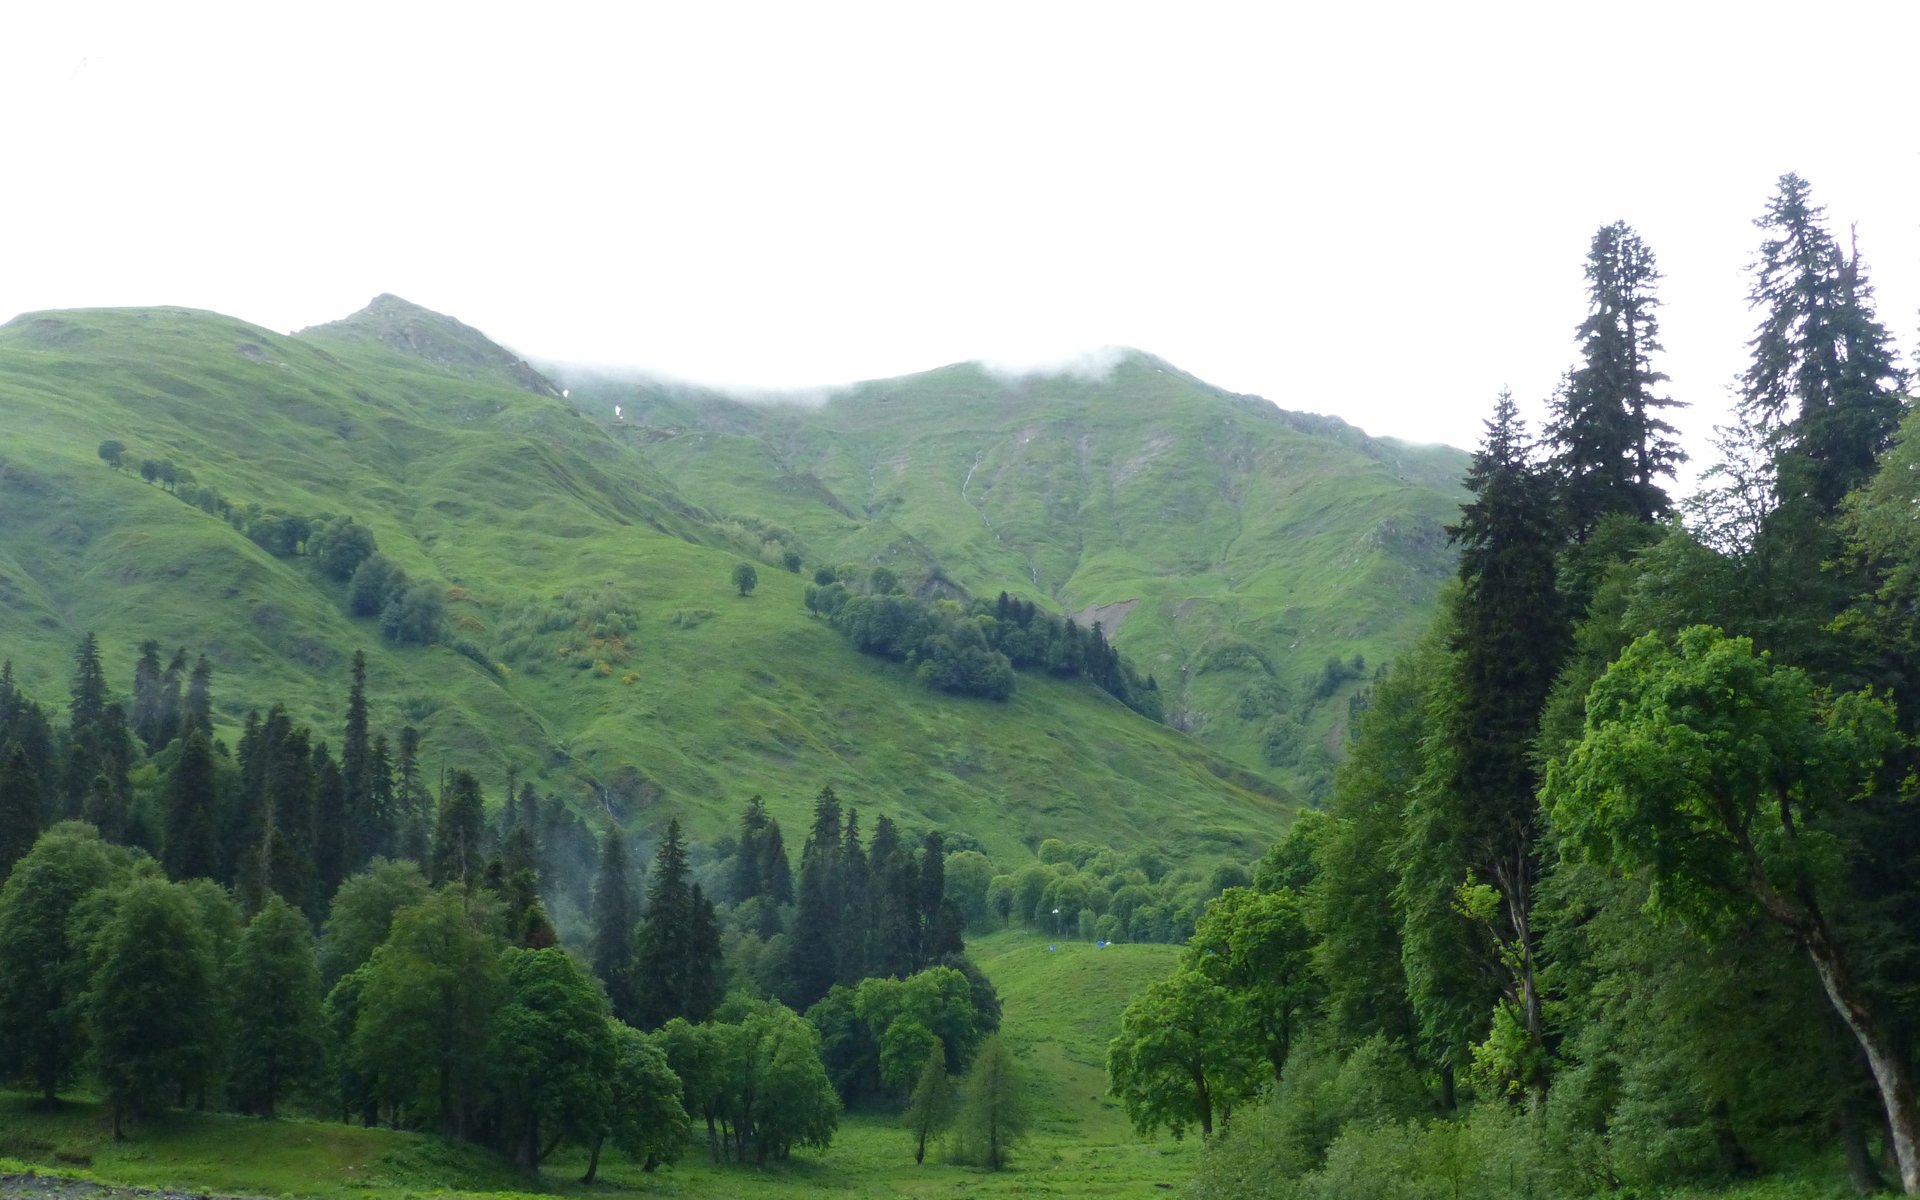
(430, 770)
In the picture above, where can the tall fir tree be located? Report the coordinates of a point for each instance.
(1509, 640)
(677, 949)
(172, 702)
(747, 879)
(614, 921)
(854, 949)
(362, 825)
(331, 832)
(459, 833)
(197, 709)
(1822, 381)
(411, 802)
(814, 965)
(1610, 446)
(190, 846)
(382, 801)
(19, 807)
(147, 718)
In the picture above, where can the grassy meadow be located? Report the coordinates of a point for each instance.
(1061, 1006)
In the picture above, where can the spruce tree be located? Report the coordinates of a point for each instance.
(614, 920)
(146, 696)
(1610, 445)
(677, 947)
(856, 912)
(459, 831)
(190, 847)
(287, 854)
(172, 705)
(412, 821)
(197, 711)
(331, 831)
(776, 874)
(747, 879)
(19, 807)
(1509, 640)
(382, 800)
(817, 923)
(362, 826)
(1822, 381)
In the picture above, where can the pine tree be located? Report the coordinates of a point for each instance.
(614, 920)
(776, 874)
(411, 801)
(287, 851)
(382, 800)
(97, 738)
(1822, 381)
(362, 826)
(1610, 445)
(191, 843)
(458, 833)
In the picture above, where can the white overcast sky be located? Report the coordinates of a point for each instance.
(1374, 210)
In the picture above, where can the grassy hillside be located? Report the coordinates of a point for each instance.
(1060, 1008)
(1229, 547)
(605, 654)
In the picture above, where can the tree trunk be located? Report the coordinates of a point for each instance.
(593, 1159)
(920, 1149)
(1889, 1067)
(119, 1134)
(1861, 1172)
(713, 1139)
(1203, 1104)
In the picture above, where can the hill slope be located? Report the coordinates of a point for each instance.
(1231, 548)
(601, 650)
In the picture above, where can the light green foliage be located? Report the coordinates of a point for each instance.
(550, 1052)
(904, 1049)
(426, 1009)
(993, 1118)
(1184, 1055)
(150, 996)
(939, 1000)
(275, 992)
(362, 914)
(645, 1119)
(1258, 946)
(931, 1107)
(43, 970)
(1701, 768)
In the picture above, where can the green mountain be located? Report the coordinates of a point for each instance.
(594, 643)
(1229, 547)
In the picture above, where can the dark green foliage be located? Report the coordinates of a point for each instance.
(362, 834)
(150, 1004)
(375, 582)
(414, 617)
(197, 711)
(44, 969)
(817, 924)
(745, 578)
(458, 832)
(1610, 446)
(338, 547)
(191, 845)
(614, 922)
(677, 952)
(275, 992)
(1822, 383)
(113, 453)
(20, 806)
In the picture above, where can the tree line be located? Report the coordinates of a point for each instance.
(166, 951)
(973, 649)
(1617, 884)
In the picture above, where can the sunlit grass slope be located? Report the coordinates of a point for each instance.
(1246, 545)
(634, 679)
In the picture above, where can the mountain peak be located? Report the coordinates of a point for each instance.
(401, 325)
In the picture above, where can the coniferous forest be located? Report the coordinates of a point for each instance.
(1618, 888)
(1615, 890)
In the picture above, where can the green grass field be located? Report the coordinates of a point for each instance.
(544, 528)
(1060, 1009)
